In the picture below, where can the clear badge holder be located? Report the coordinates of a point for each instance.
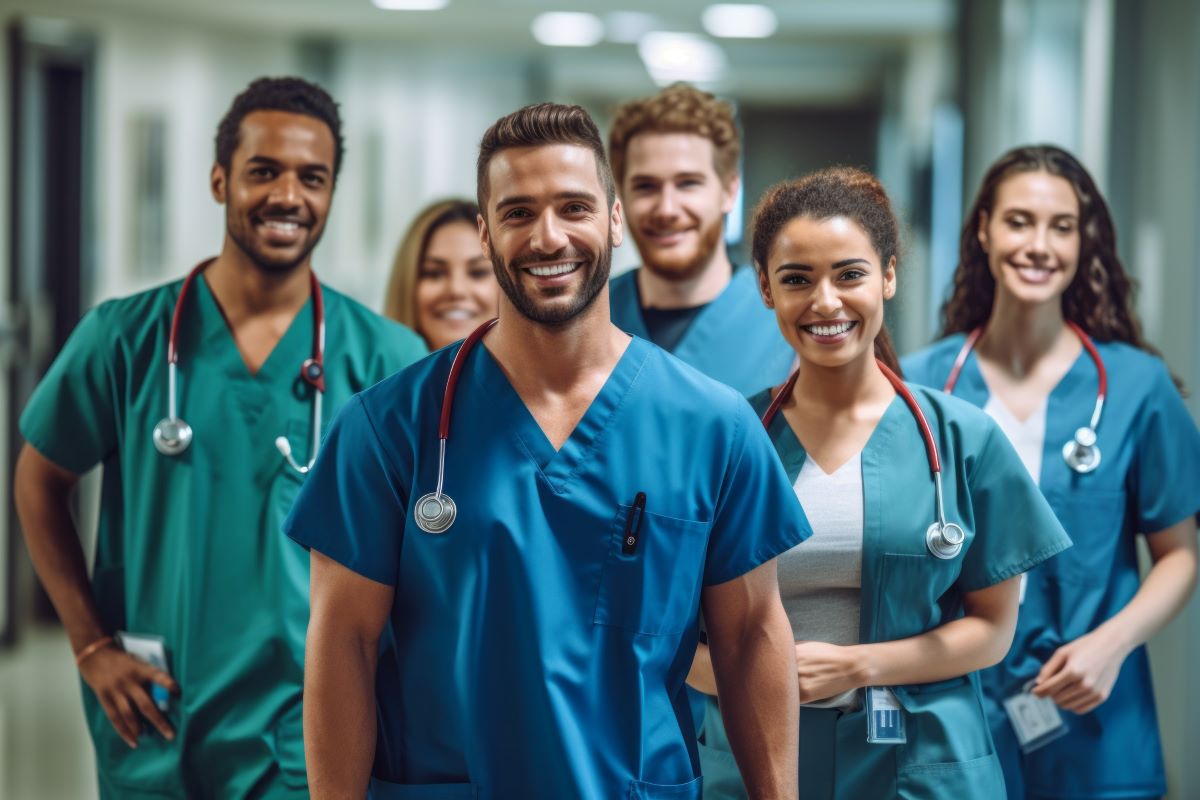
(1035, 720)
(885, 717)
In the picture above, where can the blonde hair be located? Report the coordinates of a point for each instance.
(400, 301)
(679, 108)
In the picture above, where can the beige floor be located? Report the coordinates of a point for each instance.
(45, 752)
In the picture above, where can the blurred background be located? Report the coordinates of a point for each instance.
(108, 110)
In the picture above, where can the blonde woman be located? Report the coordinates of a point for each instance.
(442, 286)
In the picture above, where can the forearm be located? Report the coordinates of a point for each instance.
(57, 555)
(339, 710)
(760, 704)
(972, 642)
(1163, 593)
(700, 676)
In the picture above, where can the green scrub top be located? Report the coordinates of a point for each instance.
(189, 547)
(906, 591)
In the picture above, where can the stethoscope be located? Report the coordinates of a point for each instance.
(172, 434)
(1081, 453)
(435, 512)
(944, 539)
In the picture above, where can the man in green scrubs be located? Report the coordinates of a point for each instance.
(189, 547)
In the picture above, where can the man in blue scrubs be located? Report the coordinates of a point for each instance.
(538, 647)
(675, 158)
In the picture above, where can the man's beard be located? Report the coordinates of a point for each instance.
(676, 271)
(245, 241)
(598, 266)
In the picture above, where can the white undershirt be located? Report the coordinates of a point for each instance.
(1028, 438)
(821, 580)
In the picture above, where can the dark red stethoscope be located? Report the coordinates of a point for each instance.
(1081, 453)
(172, 434)
(435, 512)
(944, 539)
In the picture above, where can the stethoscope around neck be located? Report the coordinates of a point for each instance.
(1081, 451)
(435, 512)
(173, 435)
(943, 539)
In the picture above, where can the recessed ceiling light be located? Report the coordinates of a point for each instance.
(739, 21)
(568, 29)
(671, 57)
(411, 5)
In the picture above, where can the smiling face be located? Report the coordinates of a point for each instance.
(278, 188)
(456, 290)
(1031, 238)
(675, 201)
(826, 283)
(548, 230)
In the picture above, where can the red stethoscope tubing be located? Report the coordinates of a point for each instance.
(313, 377)
(931, 451)
(1101, 370)
(456, 368)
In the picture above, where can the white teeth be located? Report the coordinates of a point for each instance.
(829, 330)
(554, 269)
(456, 314)
(286, 227)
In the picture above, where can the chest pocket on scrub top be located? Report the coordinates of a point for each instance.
(655, 589)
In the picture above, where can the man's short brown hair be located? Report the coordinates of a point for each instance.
(535, 126)
(679, 108)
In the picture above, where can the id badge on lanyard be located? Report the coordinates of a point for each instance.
(885, 717)
(1035, 720)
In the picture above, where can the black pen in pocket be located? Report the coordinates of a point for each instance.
(634, 530)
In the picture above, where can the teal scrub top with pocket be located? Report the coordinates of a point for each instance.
(1148, 480)
(188, 546)
(906, 591)
(528, 654)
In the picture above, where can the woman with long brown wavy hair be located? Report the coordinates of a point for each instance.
(1040, 331)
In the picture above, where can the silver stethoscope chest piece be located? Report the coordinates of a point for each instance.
(172, 435)
(435, 512)
(1081, 453)
(944, 539)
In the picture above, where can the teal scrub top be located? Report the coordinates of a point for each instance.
(1148, 480)
(189, 547)
(906, 591)
(527, 655)
(734, 339)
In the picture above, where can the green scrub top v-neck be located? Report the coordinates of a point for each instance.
(189, 547)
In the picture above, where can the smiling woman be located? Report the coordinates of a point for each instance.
(441, 284)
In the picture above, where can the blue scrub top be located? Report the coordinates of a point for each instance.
(526, 655)
(734, 339)
(1148, 480)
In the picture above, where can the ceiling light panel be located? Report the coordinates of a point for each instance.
(568, 29)
(739, 21)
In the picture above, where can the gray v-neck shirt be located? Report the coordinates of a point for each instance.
(821, 580)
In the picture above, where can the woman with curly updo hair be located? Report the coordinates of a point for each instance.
(1040, 332)
(890, 618)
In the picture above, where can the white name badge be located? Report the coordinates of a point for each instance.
(153, 651)
(1036, 720)
(885, 717)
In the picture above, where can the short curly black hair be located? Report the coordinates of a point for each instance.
(294, 95)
